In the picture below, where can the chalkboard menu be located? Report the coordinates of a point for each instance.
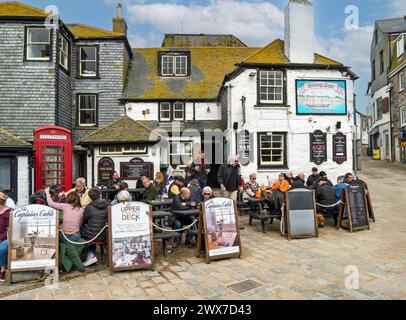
(318, 147)
(244, 147)
(354, 207)
(135, 168)
(300, 211)
(339, 148)
(105, 169)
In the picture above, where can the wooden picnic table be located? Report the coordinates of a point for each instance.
(257, 211)
(163, 204)
(133, 192)
(159, 219)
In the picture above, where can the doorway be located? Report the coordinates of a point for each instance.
(8, 176)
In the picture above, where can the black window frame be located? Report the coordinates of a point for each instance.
(284, 91)
(51, 44)
(78, 64)
(171, 111)
(174, 54)
(381, 62)
(285, 151)
(78, 125)
(373, 70)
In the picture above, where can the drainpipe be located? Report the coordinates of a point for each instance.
(354, 147)
(392, 153)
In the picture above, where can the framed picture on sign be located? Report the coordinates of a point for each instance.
(321, 97)
(220, 228)
(33, 239)
(131, 241)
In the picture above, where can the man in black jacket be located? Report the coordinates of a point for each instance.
(94, 219)
(311, 180)
(326, 196)
(229, 178)
(298, 182)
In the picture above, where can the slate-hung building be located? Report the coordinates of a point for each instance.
(121, 103)
(71, 76)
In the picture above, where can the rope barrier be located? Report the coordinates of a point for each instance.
(176, 230)
(330, 205)
(85, 242)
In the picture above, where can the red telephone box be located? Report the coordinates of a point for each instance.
(53, 157)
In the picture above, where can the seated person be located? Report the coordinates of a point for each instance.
(207, 194)
(196, 195)
(348, 178)
(299, 181)
(326, 196)
(81, 190)
(176, 186)
(323, 174)
(340, 186)
(279, 187)
(251, 187)
(114, 183)
(159, 182)
(150, 192)
(122, 196)
(94, 219)
(181, 202)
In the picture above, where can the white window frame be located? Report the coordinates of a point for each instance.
(403, 116)
(163, 119)
(62, 54)
(271, 86)
(93, 109)
(95, 61)
(175, 60)
(174, 107)
(110, 152)
(400, 45)
(181, 155)
(271, 148)
(38, 43)
(401, 75)
(119, 150)
(376, 109)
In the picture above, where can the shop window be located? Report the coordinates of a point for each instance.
(87, 110)
(271, 87)
(181, 152)
(271, 149)
(38, 44)
(88, 62)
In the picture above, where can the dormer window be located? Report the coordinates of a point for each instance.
(174, 64)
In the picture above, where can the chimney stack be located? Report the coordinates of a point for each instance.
(119, 23)
(299, 31)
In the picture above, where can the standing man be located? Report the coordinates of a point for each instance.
(114, 183)
(229, 178)
(202, 169)
(311, 180)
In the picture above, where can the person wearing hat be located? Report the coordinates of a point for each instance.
(176, 186)
(311, 180)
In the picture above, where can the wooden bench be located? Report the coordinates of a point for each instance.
(165, 236)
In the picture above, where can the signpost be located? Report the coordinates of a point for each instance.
(339, 148)
(300, 211)
(131, 243)
(33, 239)
(318, 147)
(105, 169)
(135, 168)
(219, 226)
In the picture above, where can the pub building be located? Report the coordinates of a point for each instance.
(281, 107)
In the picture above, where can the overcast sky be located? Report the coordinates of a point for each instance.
(255, 22)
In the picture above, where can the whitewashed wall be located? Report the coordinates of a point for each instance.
(298, 127)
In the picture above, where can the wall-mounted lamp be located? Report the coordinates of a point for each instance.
(89, 153)
(208, 109)
(338, 125)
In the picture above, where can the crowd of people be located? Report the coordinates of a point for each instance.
(85, 211)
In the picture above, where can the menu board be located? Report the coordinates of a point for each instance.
(135, 168)
(339, 148)
(318, 147)
(105, 169)
(220, 229)
(33, 241)
(357, 208)
(130, 236)
(244, 147)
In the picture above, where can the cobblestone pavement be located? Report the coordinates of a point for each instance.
(297, 269)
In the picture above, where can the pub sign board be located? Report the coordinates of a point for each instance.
(245, 147)
(339, 148)
(219, 226)
(105, 169)
(135, 168)
(131, 244)
(318, 147)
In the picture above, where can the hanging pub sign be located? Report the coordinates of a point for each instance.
(105, 169)
(131, 243)
(135, 168)
(244, 147)
(323, 97)
(339, 148)
(218, 225)
(353, 211)
(318, 147)
(32, 239)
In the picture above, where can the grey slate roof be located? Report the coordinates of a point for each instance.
(9, 140)
(392, 25)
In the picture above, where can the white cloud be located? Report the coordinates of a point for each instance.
(255, 24)
(398, 7)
